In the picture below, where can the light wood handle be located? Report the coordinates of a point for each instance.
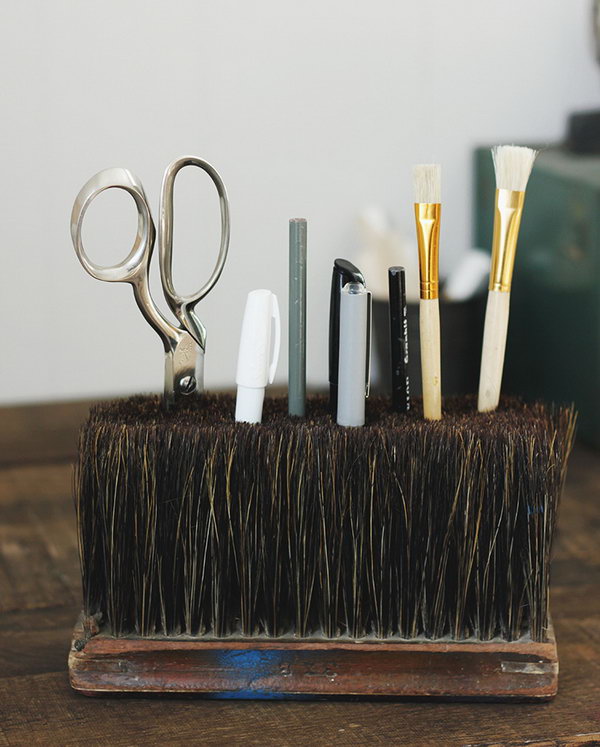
(431, 369)
(492, 354)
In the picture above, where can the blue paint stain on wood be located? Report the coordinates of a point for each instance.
(252, 666)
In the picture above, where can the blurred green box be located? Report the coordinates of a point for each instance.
(553, 349)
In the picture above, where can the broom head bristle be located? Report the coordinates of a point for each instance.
(190, 523)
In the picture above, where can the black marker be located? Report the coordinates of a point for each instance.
(399, 340)
(343, 272)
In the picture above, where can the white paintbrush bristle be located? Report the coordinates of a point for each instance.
(513, 164)
(427, 178)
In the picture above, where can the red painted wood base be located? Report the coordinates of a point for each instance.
(254, 668)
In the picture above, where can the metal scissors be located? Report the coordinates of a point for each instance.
(184, 345)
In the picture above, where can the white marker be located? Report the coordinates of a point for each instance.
(256, 363)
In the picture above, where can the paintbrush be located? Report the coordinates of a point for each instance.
(513, 166)
(428, 208)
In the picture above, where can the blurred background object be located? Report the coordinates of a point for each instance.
(315, 109)
(597, 27)
(583, 135)
(461, 330)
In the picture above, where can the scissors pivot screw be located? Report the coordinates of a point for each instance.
(187, 385)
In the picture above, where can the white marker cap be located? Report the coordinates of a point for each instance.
(256, 363)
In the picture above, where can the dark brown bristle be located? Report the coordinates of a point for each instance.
(193, 524)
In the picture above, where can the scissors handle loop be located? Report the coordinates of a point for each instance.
(183, 306)
(134, 268)
(141, 251)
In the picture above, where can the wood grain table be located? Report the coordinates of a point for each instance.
(39, 602)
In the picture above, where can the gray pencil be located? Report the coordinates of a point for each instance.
(297, 318)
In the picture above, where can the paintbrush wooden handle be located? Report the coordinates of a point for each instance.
(431, 370)
(494, 344)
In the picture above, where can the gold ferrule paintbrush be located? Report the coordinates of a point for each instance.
(513, 166)
(427, 217)
(428, 209)
(507, 221)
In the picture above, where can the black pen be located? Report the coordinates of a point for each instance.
(343, 272)
(399, 340)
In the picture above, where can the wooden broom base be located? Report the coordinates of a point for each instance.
(259, 668)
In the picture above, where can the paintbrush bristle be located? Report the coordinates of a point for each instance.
(513, 164)
(427, 179)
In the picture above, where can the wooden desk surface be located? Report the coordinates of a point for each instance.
(39, 602)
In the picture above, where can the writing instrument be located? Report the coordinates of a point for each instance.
(258, 354)
(355, 318)
(399, 339)
(344, 272)
(297, 318)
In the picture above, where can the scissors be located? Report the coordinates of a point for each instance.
(184, 345)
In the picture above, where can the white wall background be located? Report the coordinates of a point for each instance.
(307, 109)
